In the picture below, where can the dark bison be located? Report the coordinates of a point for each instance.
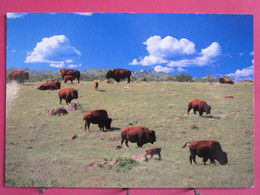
(118, 74)
(68, 94)
(99, 117)
(138, 134)
(75, 73)
(50, 85)
(225, 81)
(153, 151)
(19, 76)
(198, 105)
(207, 149)
(69, 78)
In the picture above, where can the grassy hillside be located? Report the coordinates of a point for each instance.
(40, 151)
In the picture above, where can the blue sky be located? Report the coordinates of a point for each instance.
(196, 44)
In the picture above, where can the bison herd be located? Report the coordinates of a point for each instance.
(206, 149)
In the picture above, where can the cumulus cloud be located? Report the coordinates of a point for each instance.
(15, 15)
(74, 65)
(54, 50)
(244, 74)
(163, 69)
(164, 50)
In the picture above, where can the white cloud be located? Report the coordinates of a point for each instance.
(57, 65)
(244, 74)
(74, 65)
(180, 69)
(15, 15)
(163, 69)
(54, 50)
(251, 53)
(84, 13)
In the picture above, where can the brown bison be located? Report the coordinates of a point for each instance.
(138, 134)
(75, 73)
(207, 149)
(68, 94)
(225, 81)
(198, 105)
(69, 78)
(118, 74)
(95, 85)
(153, 151)
(19, 76)
(50, 85)
(99, 117)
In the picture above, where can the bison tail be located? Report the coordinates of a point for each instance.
(185, 144)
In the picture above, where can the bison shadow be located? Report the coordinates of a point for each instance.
(101, 90)
(112, 129)
(214, 117)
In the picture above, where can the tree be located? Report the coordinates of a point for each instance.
(183, 78)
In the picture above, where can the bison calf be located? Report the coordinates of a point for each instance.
(207, 149)
(198, 105)
(69, 78)
(153, 151)
(139, 134)
(99, 117)
(68, 94)
(95, 85)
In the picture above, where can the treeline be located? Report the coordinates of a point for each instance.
(100, 74)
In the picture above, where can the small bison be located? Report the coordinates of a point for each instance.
(138, 134)
(95, 85)
(69, 78)
(153, 151)
(207, 149)
(99, 117)
(19, 76)
(65, 72)
(225, 81)
(50, 85)
(118, 74)
(198, 105)
(68, 94)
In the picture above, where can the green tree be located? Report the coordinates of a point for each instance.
(183, 78)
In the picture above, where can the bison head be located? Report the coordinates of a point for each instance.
(108, 123)
(222, 158)
(110, 74)
(57, 84)
(26, 76)
(75, 94)
(151, 136)
(208, 109)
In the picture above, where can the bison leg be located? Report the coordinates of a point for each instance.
(212, 161)
(126, 143)
(189, 108)
(159, 156)
(201, 112)
(193, 158)
(151, 156)
(128, 80)
(60, 100)
(205, 159)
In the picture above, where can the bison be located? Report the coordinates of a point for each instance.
(153, 151)
(198, 105)
(19, 76)
(50, 85)
(95, 85)
(207, 149)
(69, 78)
(118, 74)
(75, 73)
(138, 134)
(225, 81)
(68, 94)
(99, 117)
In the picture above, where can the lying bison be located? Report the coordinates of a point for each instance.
(69, 72)
(198, 105)
(50, 85)
(118, 74)
(99, 117)
(68, 94)
(207, 149)
(225, 81)
(19, 76)
(138, 134)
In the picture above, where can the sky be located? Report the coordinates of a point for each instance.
(195, 44)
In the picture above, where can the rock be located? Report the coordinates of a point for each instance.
(73, 106)
(140, 157)
(108, 146)
(170, 107)
(74, 136)
(178, 118)
(194, 126)
(115, 139)
(57, 111)
(118, 147)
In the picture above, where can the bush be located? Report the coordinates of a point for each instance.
(125, 164)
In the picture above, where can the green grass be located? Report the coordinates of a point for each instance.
(40, 152)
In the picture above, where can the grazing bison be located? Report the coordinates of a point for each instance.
(69, 78)
(207, 149)
(99, 117)
(95, 85)
(198, 105)
(153, 151)
(138, 134)
(50, 85)
(225, 81)
(118, 74)
(65, 72)
(19, 76)
(68, 94)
